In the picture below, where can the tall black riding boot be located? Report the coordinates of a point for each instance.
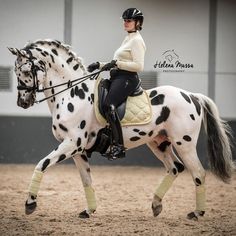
(117, 149)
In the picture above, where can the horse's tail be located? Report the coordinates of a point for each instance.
(219, 136)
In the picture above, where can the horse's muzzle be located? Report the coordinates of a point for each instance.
(25, 103)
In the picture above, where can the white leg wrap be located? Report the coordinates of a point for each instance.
(35, 182)
(200, 198)
(165, 185)
(90, 196)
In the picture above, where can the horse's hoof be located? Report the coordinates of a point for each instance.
(156, 210)
(30, 207)
(192, 216)
(195, 214)
(84, 214)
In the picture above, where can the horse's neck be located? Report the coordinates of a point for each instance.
(62, 66)
(56, 77)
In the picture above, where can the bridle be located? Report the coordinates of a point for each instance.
(34, 69)
(35, 87)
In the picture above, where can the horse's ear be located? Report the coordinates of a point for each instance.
(14, 51)
(17, 52)
(23, 53)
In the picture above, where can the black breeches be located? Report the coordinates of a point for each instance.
(120, 89)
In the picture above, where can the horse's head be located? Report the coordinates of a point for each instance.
(30, 73)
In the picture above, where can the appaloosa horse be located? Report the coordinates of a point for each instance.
(176, 120)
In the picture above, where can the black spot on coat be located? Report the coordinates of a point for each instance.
(92, 97)
(73, 153)
(134, 138)
(196, 104)
(165, 112)
(84, 157)
(43, 54)
(63, 127)
(142, 133)
(85, 87)
(78, 142)
(45, 164)
(174, 170)
(162, 147)
(61, 158)
(79, 92)
(198, 181)
(76, 67)
(72, 92)
(186, 97)
(70, 107)
(150, 133)
(69, 60)
(179, 166)
(187, 138)
(158, 100)
(82, 124)
(153, 93)
(55, 51)
(192, 116)
(52, 58)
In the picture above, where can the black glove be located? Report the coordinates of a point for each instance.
(93, 66)
(109, 65)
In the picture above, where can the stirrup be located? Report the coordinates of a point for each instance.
(116, 151)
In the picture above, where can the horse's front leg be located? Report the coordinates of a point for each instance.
(61, 153)
(82, 164)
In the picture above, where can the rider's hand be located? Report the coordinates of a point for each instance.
(93, 66)
(109, 65)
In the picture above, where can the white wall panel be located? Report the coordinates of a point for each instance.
(97, 32)
(20, 22)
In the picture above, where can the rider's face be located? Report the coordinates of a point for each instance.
(129, 25)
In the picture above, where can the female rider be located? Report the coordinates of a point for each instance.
(127, 61)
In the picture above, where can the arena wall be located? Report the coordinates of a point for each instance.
(28, 140)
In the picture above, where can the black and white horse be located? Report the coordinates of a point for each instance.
(176, 120)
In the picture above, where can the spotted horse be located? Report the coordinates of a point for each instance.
(175, 124)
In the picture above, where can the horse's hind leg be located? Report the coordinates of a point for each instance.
(163, 151)
(190, 159)
(82, 164)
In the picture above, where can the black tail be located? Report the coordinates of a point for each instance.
(219, 140)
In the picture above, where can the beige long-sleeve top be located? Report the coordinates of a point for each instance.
(130, 55)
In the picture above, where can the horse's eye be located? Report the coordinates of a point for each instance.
(26, 73)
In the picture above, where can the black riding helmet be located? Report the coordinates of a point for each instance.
(134, 14)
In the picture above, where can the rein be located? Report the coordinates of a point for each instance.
(69, 84)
